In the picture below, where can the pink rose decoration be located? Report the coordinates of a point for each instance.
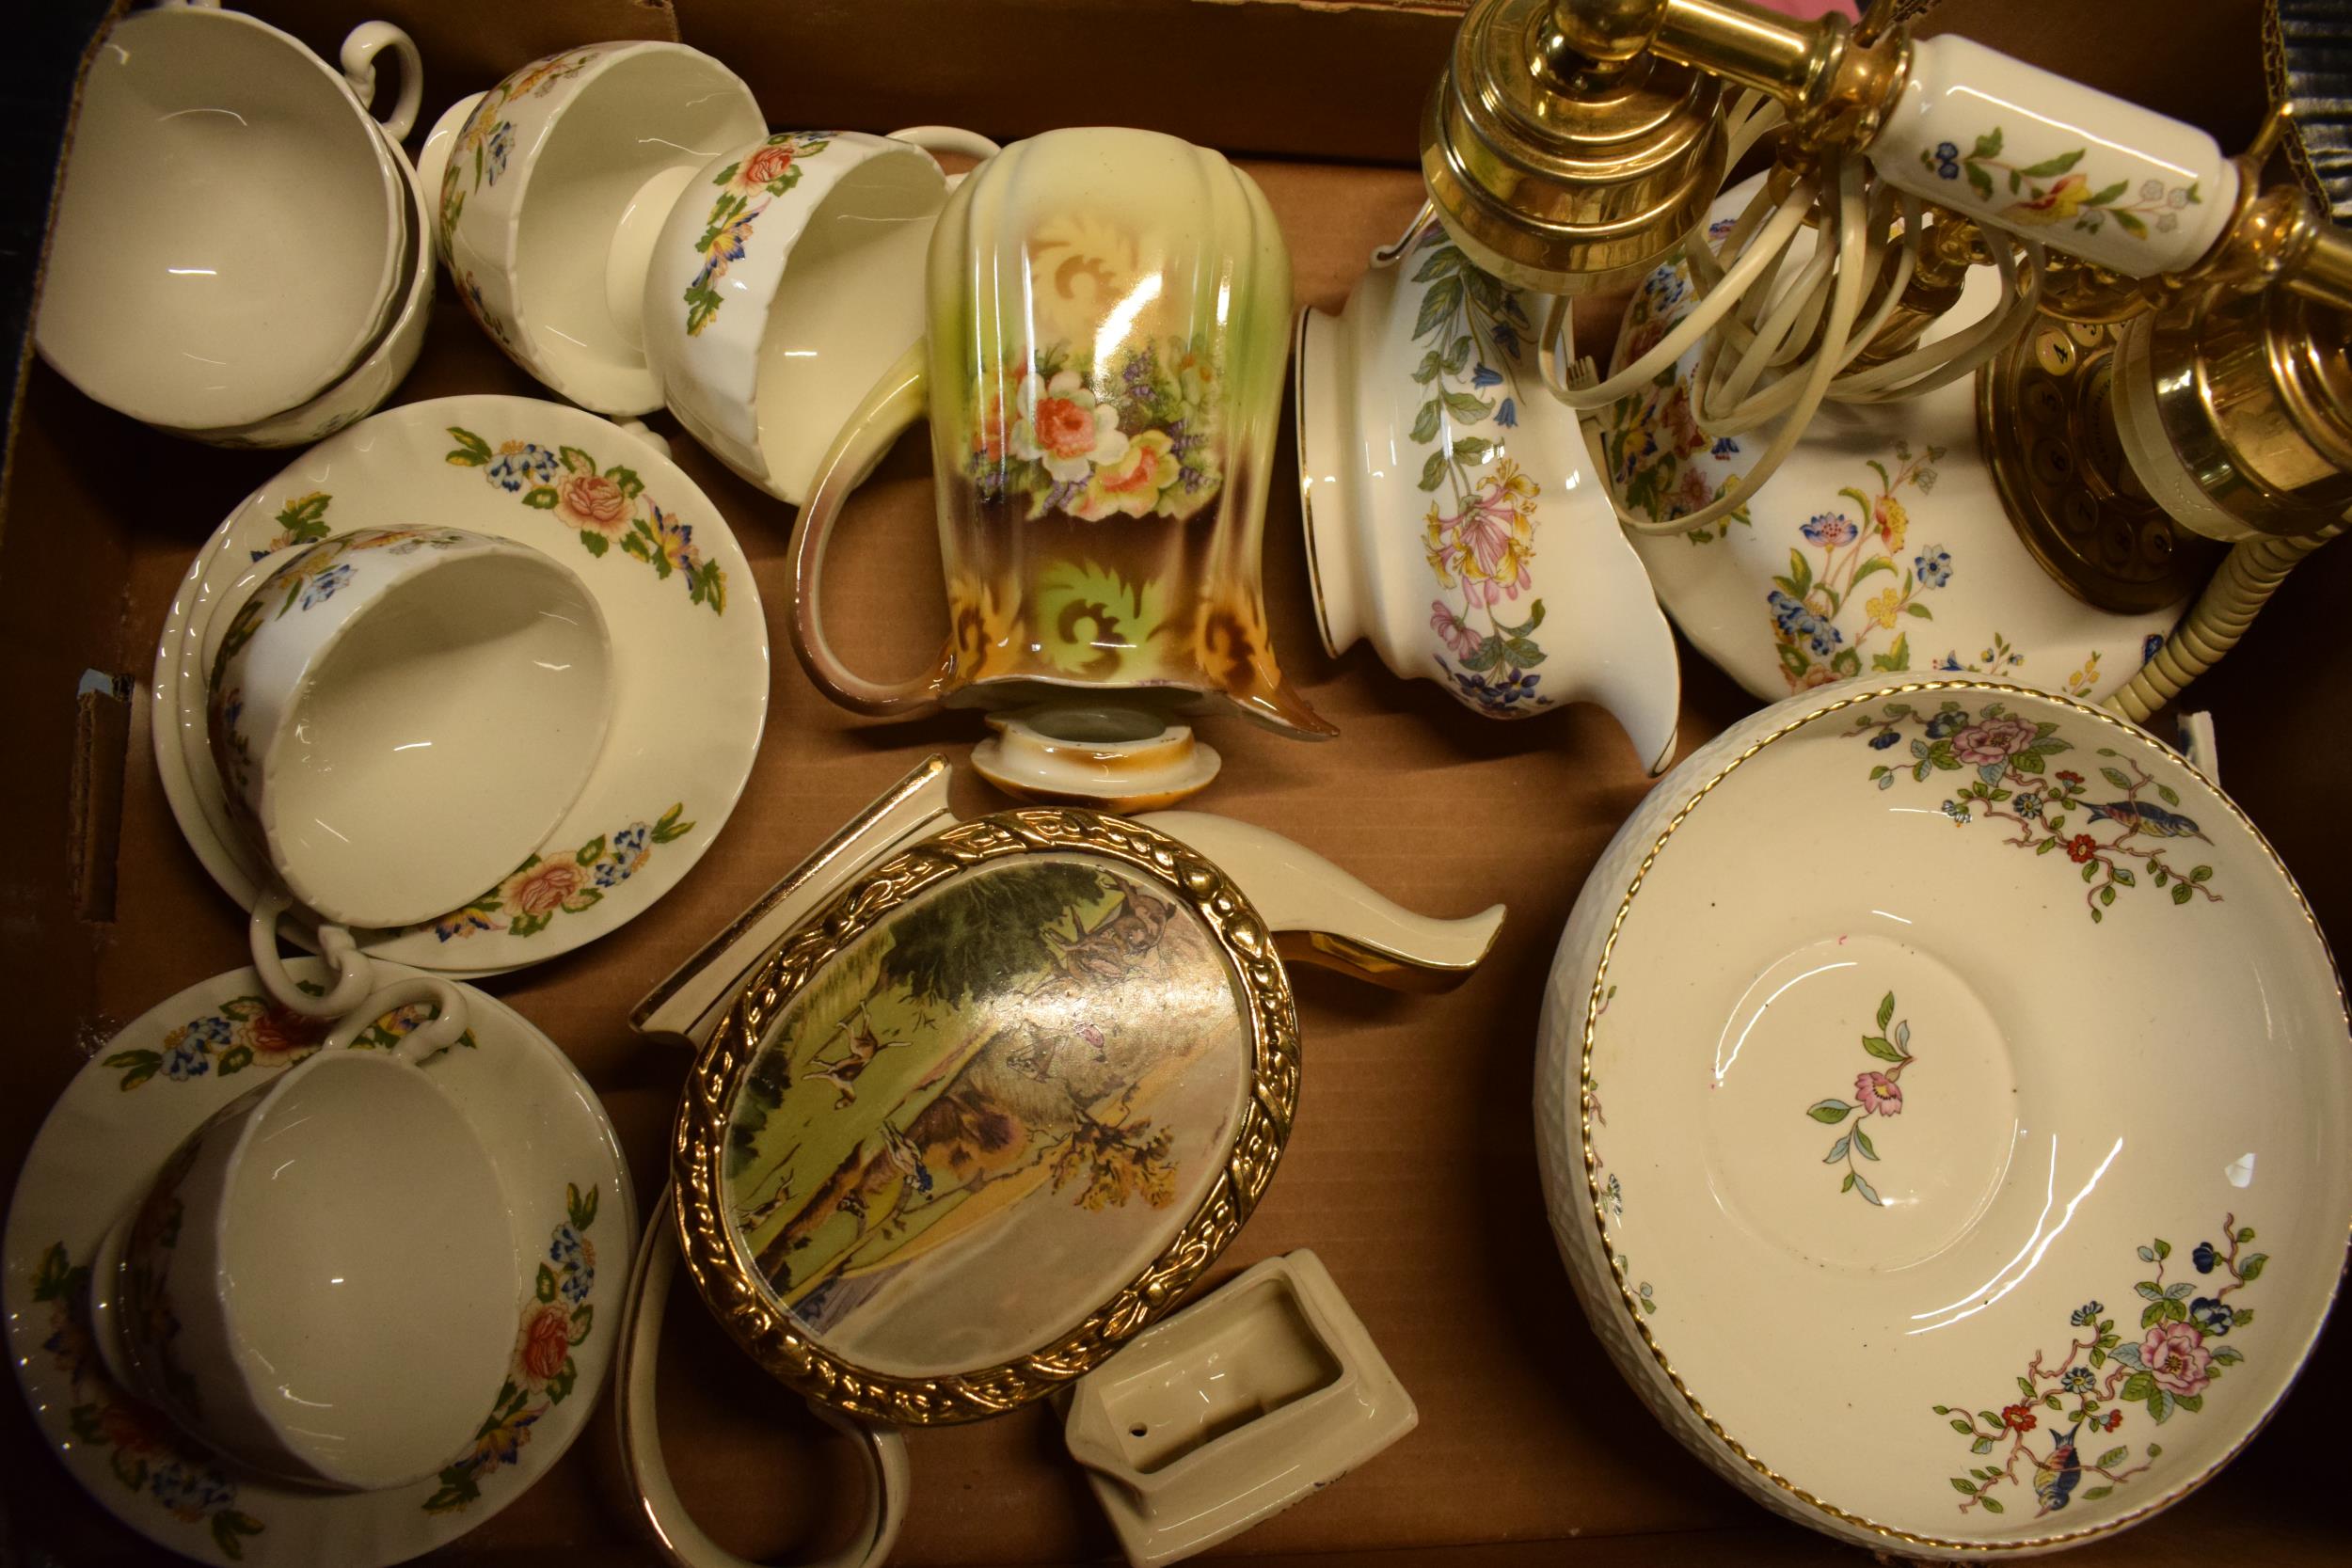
(1880, 1096)
(766, 164)
(546, 1343)
(592, 502)
(543, 887)
(1992, 740)
(2175, 1356)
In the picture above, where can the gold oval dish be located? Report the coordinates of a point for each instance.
(985, 1114)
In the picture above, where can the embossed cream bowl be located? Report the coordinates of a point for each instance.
(1940, 1101)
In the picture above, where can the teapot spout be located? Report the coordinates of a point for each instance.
(1321, 916)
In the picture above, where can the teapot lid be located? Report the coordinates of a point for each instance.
(986, 1114)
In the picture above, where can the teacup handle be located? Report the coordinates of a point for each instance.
(369, 39)
(355, 976)
(420, 1043)
(681, 1540)
(896, 401)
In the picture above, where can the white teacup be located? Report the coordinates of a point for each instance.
(232, 225)
(321, 1283)
(551, 189)
(364, 387)
(400, 717)
(788, 277)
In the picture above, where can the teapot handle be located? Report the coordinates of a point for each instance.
(1321, 916)
(896, 401)
(683, 1543)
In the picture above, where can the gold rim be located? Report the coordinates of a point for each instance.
(735, 1291)
(1592, 1183)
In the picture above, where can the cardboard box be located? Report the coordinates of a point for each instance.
(1412, 1170)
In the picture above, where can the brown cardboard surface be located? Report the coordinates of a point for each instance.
(1412, 1168)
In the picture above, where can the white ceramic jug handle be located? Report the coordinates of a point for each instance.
(936, 139)
(896, 401)
(355, 976)
(369, 39)
(682, 1541)
(420, 1043)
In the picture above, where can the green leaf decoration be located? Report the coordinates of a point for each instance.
(1443, 263)
(1887, 1011)
(1438, 305)
(1425, 423)
(581, 1209)
(540, 498)
(1883, 1049)
(1868, 1193)
(2049, 168)
(545, 1288)
(1991, 1504)
(1466, 406)
(1837, 1151)
(1978, 180)
(1964, 1485)
(1471, 449)
(472, 452)
(2250, 1269)
(1430, 366)
(1434, 471)
(1459, 356)
(2107, 194)
(1829, 1112)
(1982, 1445)
(229, 1527)
(1862, 1142)
(1958, 1424)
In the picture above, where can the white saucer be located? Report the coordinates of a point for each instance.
(563, 1180)
(692, 671)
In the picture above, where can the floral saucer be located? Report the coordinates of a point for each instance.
(1940, 1104)
(677, 595)
(566, 1191)
(1881, 547)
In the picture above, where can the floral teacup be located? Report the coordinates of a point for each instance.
(312, 1285)
(1108, 314)
(788, 278)
(552, 187)
(400, 716)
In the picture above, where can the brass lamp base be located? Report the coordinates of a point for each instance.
(2046, 423)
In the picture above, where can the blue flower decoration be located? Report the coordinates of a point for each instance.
(1885, 738)
(186, 1060)
(2078, 1380)
(565, 1249)
(1508, 415)
(1956, 811)
(2087, 1314)
(322, 588)
(1945, 723)
(2029, 805)
(2149, 645)
(1725, 446)
(494, 156)
(2212, 1317)
(1486, 375)
(527, 464)
(1824, 638)
(1787, 610)
(1947, 161)
(2204, 1257)
(1506, 342)
(1933, 566)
